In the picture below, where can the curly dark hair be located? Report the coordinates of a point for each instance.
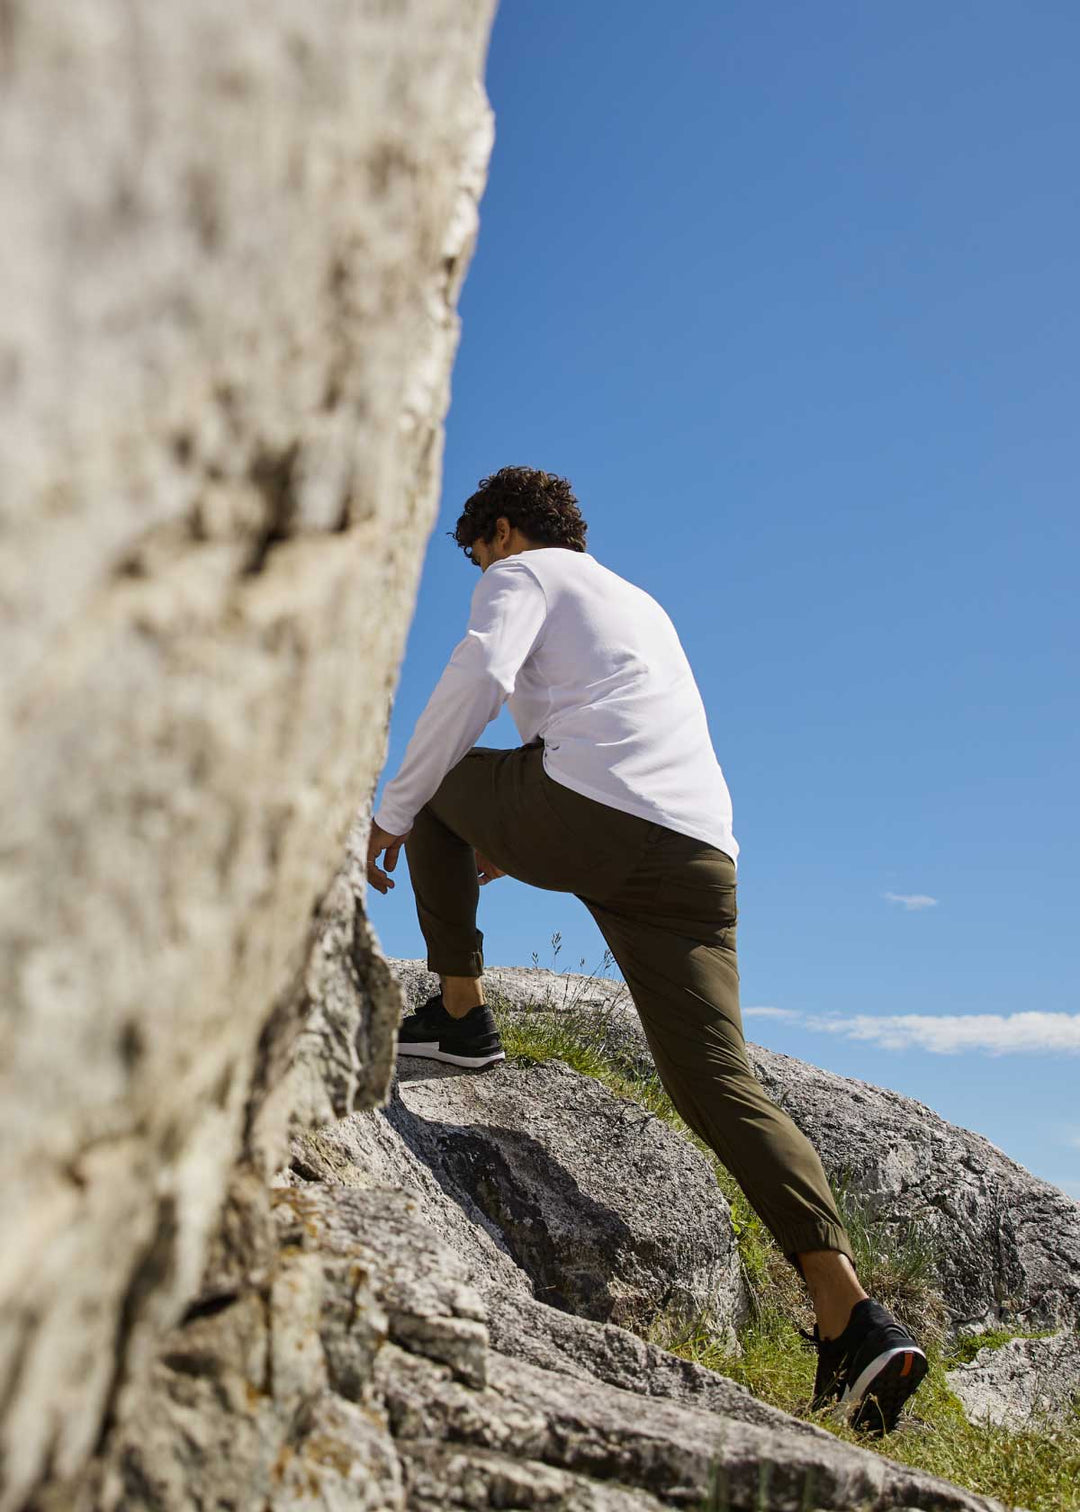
(541, 505)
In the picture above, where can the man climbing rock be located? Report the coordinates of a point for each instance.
(615, 795)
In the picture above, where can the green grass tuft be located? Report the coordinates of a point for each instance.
(964, 1350)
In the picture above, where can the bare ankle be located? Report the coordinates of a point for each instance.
(461, 994)
(834, 1287)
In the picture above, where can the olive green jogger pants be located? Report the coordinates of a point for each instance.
(665, 904)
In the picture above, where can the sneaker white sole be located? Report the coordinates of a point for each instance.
(854, 1395)
(429, 1050)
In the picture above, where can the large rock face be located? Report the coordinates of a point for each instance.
(1006, 1244)
(607, 1212)
(1022, 1384)
(233, 239)
(610, 1214)
(368, 1372)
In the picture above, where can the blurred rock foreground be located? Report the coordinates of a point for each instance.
(233, 241)
(243, 1266)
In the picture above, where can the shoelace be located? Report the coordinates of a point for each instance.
(829, 1371)
(824, 1346)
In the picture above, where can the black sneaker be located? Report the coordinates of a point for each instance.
(870, 1370)
(471, 1041)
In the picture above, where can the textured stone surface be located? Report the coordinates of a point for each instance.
(609, 1213)
(371, 1150)
(1007, 1243)
(266, 1401)
(675, 1453)
(368, 1372)
(1022, 1383)
(233, 239)
(447, 1475)
(527, 987)
(328, 1048)
(529, 1330)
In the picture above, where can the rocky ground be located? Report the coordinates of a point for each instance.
(372, 1366)
(430, 1315)
(1005, 1244)
(1021, 1380)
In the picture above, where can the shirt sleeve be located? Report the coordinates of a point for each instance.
(506, 618)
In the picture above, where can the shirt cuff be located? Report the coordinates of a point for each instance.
(393, 823)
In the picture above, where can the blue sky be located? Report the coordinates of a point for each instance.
(789, 293)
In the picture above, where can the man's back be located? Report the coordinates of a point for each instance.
(607, 686)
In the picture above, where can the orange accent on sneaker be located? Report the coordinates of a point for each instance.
(908, 1358)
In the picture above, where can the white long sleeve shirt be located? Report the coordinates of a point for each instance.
(591, 664)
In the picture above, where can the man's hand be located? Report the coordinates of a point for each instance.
(379, 841)
(486, 870)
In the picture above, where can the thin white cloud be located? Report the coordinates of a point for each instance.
(945, 1034)
(912, 902)
(771, 1013)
